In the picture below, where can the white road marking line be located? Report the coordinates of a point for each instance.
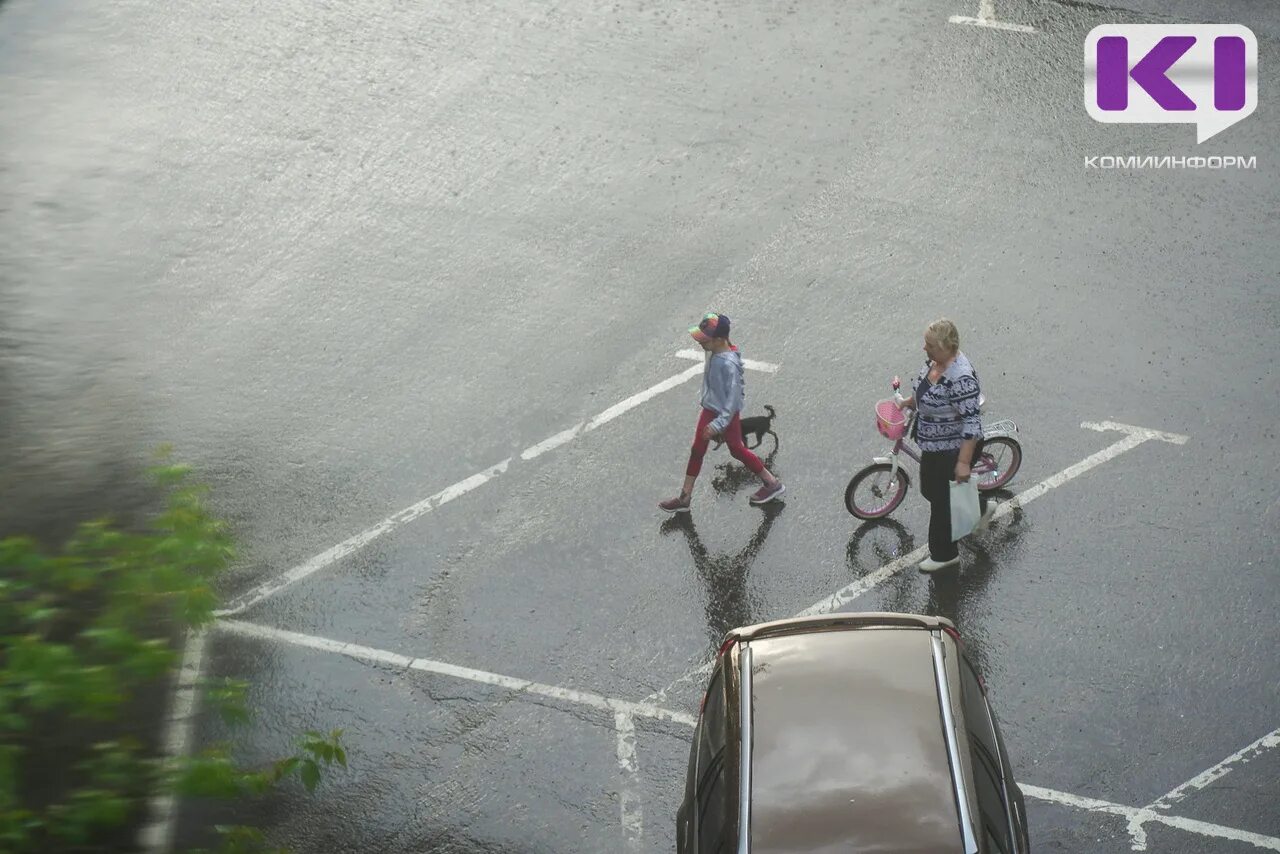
(1092, 805)
(991, 25)
(636, 399)
(1202, 828)
(749, 364)
(157, 836)
(630, 802)
(1205, 828)
(625, 711)
(869, 582)
(1077, 801)
(609, 414)
(1134, 437)
(987, 18)
(552, 443)
(427, 665)
(353, 544)
(1244, 755)
(1146, 432)
(698, 675)
(1138, 831)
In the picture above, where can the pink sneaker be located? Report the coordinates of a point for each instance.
(679, 504)
(765, 494)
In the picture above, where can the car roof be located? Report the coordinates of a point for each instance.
(848, 748)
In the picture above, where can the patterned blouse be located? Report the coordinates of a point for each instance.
(947, 410)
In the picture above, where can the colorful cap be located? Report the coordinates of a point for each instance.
(712, 326)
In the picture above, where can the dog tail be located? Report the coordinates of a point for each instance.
(772, 414)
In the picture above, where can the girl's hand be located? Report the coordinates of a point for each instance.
(709, 433)
(962, 472)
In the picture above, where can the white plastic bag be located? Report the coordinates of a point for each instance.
(965, 508)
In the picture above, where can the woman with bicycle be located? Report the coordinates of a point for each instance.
(948, 429)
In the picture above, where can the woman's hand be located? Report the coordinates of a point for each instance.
(709, 433)
(905, 402)
(962, 471)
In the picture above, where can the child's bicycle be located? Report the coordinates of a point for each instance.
(878, 489)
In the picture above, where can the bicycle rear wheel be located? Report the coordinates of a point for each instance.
(1001, 458)
(873, 493)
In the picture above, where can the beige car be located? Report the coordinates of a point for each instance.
(848, 733)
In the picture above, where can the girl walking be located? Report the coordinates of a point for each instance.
(723, 396)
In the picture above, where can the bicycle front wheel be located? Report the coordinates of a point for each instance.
(876, 491)
(1001, 457)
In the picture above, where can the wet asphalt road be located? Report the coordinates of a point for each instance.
(343, 256)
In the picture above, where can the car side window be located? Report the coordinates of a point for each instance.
(711, 725)
(987, 774)
(976, 718)
(691, 774)
(713, 789)
(996, 844)
(995, 824)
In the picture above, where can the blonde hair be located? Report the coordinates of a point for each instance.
(944, 333)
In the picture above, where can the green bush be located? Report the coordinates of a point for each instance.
(87, 639)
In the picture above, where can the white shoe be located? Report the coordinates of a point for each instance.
(986, 515)
(931, 565)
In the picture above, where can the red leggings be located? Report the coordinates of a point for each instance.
(732, 434)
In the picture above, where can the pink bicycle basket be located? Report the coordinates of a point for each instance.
(889, 419)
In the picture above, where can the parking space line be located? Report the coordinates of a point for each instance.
(987, 18)
(1145, 432)
(1134, 436)
(1137, 829)
(609, 414)
(630, 802)
(749, 364)
(353, 544)
(1268, 741)
(1146, 815)
(157, 836)
(441, 668)
(625, 712)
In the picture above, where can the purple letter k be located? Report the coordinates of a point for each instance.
(1149, 73)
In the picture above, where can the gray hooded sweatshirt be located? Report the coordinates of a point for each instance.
(723, 390)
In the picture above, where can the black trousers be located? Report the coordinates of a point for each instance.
(937, 470)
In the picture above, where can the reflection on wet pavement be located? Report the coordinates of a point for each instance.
(730, 602)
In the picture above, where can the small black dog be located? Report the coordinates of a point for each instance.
(758, 426)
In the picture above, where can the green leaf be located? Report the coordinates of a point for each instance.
(210, 774)
(9, 775)
(228, 697)
(310, 774)
(285, 767)
(81, 630)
